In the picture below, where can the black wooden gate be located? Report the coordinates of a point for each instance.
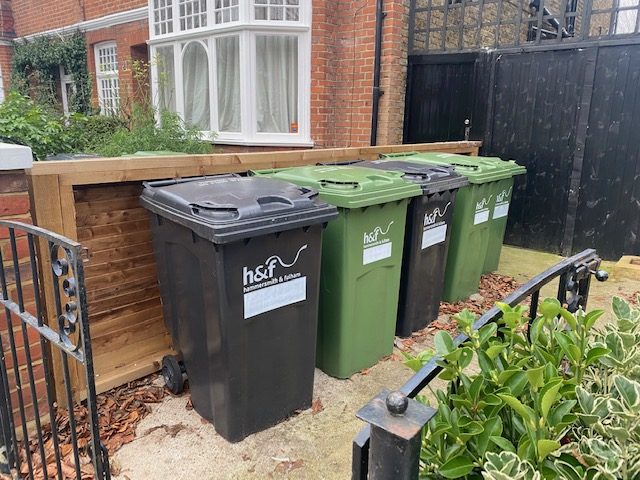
(560, 97)
(40, 431)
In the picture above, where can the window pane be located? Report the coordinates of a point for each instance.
(195, 78)
(162, 16)
(193, 14)
(228, 75)
(166, 79)
(277, 83)
(226, 11)
(275, 10)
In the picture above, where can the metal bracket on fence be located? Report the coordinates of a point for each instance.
(574, 285)
(396, 424)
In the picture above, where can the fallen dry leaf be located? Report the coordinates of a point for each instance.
(120, 411)
(286, 466)
(316, 406)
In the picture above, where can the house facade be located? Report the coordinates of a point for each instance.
(249, 73)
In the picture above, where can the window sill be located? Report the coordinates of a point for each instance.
(258, 143)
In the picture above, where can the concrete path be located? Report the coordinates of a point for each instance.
(174, 443)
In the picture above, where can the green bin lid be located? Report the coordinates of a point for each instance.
(348, 186)
(476, 169)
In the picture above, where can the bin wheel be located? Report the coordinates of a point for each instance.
(172, 374)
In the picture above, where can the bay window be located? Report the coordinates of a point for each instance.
(236, 69)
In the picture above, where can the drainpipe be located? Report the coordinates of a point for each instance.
(377, 92)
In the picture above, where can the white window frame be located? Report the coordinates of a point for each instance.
(1, 87)
(246, 28)
(108, 75)
(66, 79)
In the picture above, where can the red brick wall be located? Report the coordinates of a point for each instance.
(125, 36)
(342, 58)
(30, 16)
(15, 205)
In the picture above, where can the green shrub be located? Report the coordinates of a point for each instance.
(556, 400)
(606, 440)
(145, 133)
(89, 133)
(23, 121)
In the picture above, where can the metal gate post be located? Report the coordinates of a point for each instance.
(396, 426)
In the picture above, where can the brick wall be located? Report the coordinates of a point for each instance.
(126, 36)
(343, 51)
(15, 205)
(29, 17)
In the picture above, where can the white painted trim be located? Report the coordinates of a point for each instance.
(100, 75)
(119, 18)
(6, 43)
(1, 86)
(15, 157)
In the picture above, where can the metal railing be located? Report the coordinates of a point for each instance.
(463, 25)
(38, 426)
(390, 444)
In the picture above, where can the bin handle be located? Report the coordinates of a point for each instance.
(473, 167)
(307, 192)
(339, 184)
(397, 154)
(198, 209)
(273, 201)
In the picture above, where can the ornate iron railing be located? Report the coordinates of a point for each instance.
(389, 447)
(40, 429)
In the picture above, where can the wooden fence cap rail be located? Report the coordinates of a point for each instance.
(132, 168)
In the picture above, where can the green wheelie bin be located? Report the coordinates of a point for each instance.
(362, 260)
(500, 204)
(479, 220)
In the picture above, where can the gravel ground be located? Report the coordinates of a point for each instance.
(174, 443)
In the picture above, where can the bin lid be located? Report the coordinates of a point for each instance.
(476, 169)
(431, 178)
(348, 186)
(226, 208)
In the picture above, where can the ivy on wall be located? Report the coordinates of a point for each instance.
(36, 65)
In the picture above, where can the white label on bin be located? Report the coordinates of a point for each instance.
(482, 210)
(272, 285)
(433, 236)
(376, 245)
(435, 230)
(501, 210)
(481, 216)
(373, 254)
(275, 296)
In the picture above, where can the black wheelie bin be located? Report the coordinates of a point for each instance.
(239, 265)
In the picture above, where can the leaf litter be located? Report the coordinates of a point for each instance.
(120, 410)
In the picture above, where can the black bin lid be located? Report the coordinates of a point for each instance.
(226, 208)
(432, 178)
